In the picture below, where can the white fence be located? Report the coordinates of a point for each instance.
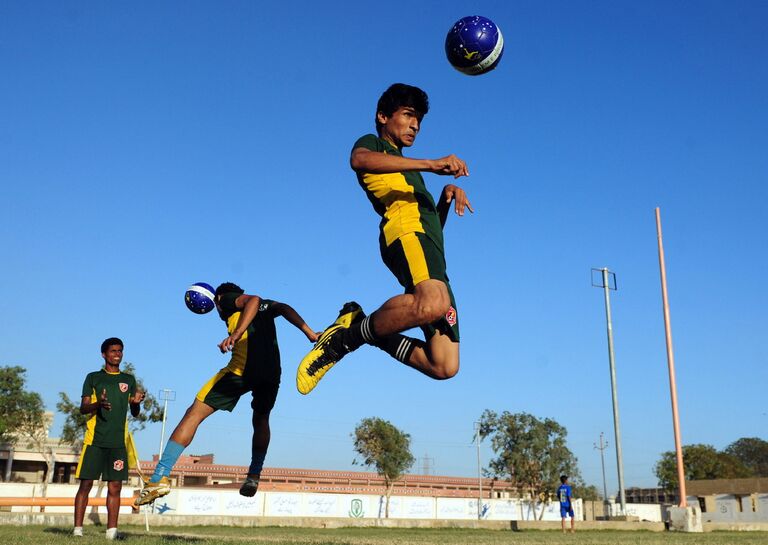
(189, 501)
(212, 502)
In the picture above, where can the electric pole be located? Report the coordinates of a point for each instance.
(608, 283)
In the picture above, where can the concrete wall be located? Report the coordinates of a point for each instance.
(213, 502)
(732, 508)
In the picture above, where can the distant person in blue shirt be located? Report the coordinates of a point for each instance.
(565, 496)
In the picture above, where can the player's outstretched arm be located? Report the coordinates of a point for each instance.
(455, 194)
(294, 318)
(375, 162)
(250, 306)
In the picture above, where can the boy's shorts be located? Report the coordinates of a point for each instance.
(226, 388)
(413, 258)
(105, 463)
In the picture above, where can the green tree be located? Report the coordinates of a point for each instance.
(752, 452)
(382, 446)
(699, 462)
(586, 492)
(22, 417)
(73, 430)
(530, 452)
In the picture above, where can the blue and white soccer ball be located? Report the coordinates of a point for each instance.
(474, 45)
(199, 298)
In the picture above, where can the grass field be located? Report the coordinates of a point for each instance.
(205, 535)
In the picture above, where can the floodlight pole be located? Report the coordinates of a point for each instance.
(479, 475)
(601, 448)
(616, 429)
(671, 366)
(166, 395)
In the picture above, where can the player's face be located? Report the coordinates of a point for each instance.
(113, 355)
(401, 127)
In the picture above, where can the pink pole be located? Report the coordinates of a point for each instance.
(671, 365)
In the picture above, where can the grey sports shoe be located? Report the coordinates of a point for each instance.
(249, 487)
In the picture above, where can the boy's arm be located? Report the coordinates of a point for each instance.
(87, 406)
(461, 202)
(376, 162)
(134, 402)
(293, 317)
(250, 306)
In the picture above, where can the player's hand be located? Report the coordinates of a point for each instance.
(459, 197)
(313, 336)
(450, 165)
(103, 402)
(137, 398)
(229, 343)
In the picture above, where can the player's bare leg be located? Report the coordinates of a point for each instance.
(259, 445)
(428, 303)
(159, 484)
(113, 502)
(81, 502)
(438, 358)
(196, 413)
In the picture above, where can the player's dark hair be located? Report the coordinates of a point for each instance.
(109, 342)
(400, 95)
(228, 287)
(563, 478)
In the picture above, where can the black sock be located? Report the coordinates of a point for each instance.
(359, 333)
(398, 346)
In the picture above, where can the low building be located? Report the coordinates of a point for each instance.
(201, 471)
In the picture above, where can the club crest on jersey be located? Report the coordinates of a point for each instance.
(450, 316)
(123, 387)
(118, 465)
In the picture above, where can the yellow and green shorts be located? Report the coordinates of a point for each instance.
(226, 388)
(105, 463)
(413, 258)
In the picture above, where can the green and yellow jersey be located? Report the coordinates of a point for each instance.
(108, 428)
(257, 351)
(400, 198)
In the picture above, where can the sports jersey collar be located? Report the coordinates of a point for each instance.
(390, 143)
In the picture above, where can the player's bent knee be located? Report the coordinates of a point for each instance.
(446, 373)
(446, 368)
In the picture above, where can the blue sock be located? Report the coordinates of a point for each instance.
(257, 462)
(170, 455)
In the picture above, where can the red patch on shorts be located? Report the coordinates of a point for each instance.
(450, 316)
(123, 387)
(118, 465)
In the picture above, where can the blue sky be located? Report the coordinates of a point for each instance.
(145, 146)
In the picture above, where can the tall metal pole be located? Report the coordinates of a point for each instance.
(166, 395)
(616, 429)
(601, 448)
(671, 366)
(479, 476)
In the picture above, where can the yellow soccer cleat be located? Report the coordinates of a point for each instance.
(328, 349)
(152, 491)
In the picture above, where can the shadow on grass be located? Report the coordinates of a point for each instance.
(125, 536)
(58, 531)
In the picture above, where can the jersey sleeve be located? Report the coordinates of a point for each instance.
(267, 307)
(369, 142)
(88, 388)
(131, 386)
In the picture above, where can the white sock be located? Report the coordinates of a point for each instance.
(111, 533)
(78, 531)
